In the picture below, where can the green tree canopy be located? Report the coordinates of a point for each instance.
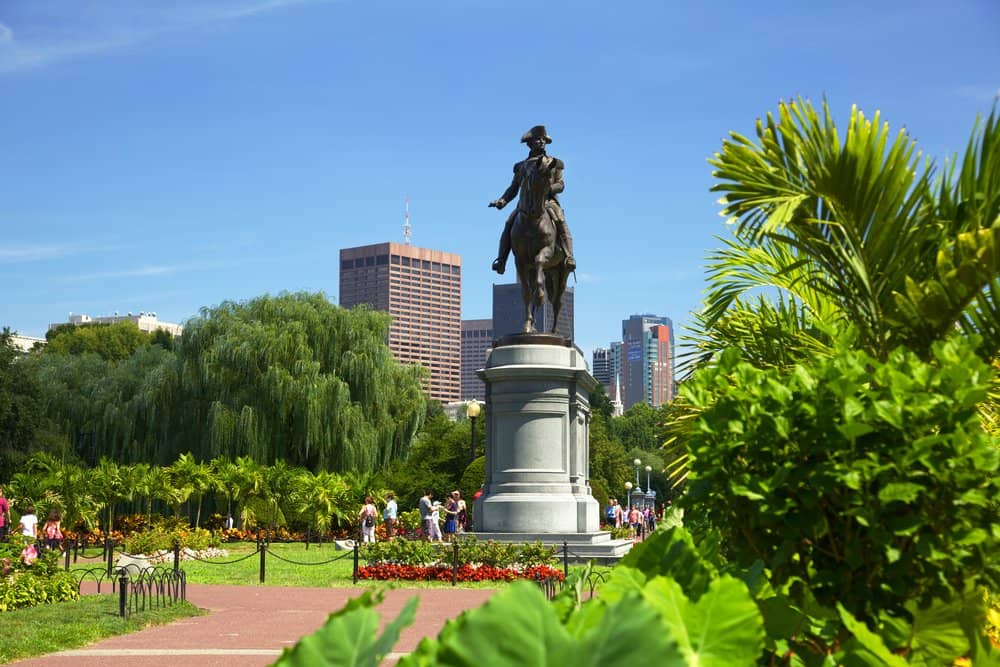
(21, 413)
(112, 342)
(294, 378)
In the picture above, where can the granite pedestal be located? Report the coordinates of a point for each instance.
(537, 448)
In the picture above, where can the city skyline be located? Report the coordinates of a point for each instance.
(171, 157)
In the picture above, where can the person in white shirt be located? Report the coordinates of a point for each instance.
(29, 522)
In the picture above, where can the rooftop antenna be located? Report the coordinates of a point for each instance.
(406, 223)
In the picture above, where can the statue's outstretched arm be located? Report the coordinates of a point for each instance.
(509, 193)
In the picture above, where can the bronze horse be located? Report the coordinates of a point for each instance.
(538, 258)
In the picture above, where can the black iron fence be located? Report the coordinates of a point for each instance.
(143, 584)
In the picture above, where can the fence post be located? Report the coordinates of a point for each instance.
(262, 548)
(76, 548)
(565, 559)
(356, 548)
(65, 545)
(177, 555)
(307, 537)
(109, 551)
(454, 563)
(123, 593)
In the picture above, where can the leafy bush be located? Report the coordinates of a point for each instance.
(871, 481)
(158, 539)
(27, 589)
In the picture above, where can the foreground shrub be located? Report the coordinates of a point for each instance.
(870, 482)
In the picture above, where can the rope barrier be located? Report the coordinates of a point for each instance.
(218, 562)
(342, 556)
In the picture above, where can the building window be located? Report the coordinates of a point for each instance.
(395, 259)
(382, 260)
(347, 264)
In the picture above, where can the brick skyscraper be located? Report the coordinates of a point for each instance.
(422, 290)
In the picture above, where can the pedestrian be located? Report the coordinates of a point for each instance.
(451, 516)
(52, 531)
(367, 516)
(435, 523)
(426, 507)
(389, 515)
(635, 521)
(463, 511)
(620, 518)
(29, 522)
(471, 521)
(4, 517)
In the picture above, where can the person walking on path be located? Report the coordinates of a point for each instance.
(4, 517)
(426, 507)
(389, 515)
(367, 516)
(29, 522)
(52, 531)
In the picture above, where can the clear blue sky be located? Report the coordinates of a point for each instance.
(169, 155)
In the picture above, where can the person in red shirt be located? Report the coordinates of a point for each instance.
(4, 517)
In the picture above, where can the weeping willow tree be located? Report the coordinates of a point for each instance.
(291, 378)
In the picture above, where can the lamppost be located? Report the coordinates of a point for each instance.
(628, 497)
(650, 494)
(472, 410)
(637, 463)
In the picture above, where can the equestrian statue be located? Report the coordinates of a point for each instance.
(536, 230)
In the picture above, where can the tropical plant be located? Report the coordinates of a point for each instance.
(322, 499)
(855, 229)
(187, 473)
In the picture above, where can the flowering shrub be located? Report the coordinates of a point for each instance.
(31, 580)
(389, 571)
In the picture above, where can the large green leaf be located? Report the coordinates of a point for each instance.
(347, 639)
(520, 627)
(938, 634)
(868, 648)
(722, 629)
(671, 553)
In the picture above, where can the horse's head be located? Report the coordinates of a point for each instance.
(535, 188)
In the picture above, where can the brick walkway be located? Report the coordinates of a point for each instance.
(250, 625)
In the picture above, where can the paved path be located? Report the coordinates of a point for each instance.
(250, 625)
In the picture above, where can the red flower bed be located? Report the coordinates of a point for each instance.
(384, 571)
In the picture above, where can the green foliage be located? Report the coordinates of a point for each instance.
(21, 412)
(163, 539)
(29, 588)
(872, 481)
(111, 342)
(472, 479)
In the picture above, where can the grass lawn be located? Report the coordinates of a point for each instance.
(316, 572)
(59, 626)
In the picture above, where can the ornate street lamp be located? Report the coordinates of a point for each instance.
(637, 463)
(472, 410)
(628, 496)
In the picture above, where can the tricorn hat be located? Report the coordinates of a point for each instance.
(537, 132)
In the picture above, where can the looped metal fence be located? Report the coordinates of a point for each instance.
(152, 588)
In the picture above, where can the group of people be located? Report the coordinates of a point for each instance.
(50, 535)
(640, 520)
(454, 511)
(456, 516)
